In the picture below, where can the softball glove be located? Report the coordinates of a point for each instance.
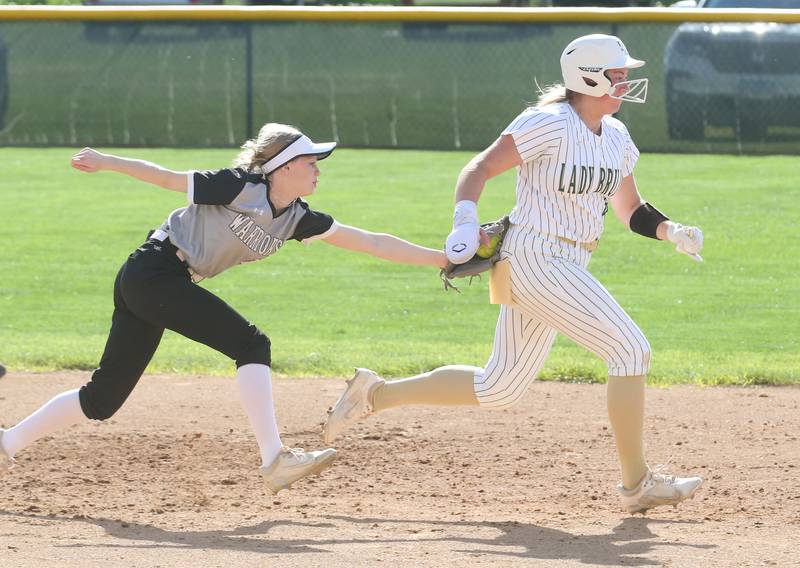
(483, 260)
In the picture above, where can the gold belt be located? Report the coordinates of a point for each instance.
(588, 247)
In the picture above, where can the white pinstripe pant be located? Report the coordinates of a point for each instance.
(552, 291)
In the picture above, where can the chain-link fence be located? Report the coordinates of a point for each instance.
(713, 87)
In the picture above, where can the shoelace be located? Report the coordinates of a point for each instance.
(299, 453)
(658, 472)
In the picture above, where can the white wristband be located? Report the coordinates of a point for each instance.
(466, 212)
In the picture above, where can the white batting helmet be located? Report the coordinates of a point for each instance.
(585, 61)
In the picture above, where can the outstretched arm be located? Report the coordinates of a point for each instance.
(385, 246)
(91, 161)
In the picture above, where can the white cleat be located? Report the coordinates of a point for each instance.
(6, 461)
(657, 489)
(353, 405)
(293, 464)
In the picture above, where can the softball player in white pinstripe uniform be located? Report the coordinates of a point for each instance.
(573, 160)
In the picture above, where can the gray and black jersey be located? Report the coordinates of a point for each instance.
(231, 220)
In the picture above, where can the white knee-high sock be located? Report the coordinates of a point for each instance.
(255, 393)
(62, 411)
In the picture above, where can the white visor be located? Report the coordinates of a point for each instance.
(303, 146)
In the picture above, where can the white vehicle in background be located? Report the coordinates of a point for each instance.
(743, 75)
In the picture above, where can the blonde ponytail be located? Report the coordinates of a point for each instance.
(271, 139)
(552, 94)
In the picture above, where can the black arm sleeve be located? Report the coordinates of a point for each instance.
(311, 224)
(220, 187)
(646, 219)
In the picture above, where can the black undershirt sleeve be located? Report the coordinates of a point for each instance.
(311, 224)
(220, 187)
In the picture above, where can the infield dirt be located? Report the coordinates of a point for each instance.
(172, 481)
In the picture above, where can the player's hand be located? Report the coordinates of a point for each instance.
(485, 239)
(88, 160)
(688, 240)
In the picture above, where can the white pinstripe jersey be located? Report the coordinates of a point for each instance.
(569, 173)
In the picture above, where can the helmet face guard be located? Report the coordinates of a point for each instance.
(633, 91)
(585, 61)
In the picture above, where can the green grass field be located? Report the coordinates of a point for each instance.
(731, 320)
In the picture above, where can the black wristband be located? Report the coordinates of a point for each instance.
(646, 219)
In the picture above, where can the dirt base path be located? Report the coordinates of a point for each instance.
(172, 481)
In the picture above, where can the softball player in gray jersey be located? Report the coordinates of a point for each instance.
(242, 214)
(573, 160)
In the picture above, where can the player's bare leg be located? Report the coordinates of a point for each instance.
(366, 393)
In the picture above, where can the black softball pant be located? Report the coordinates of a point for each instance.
(152, 292)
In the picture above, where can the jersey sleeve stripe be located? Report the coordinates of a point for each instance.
(190, 187)
(332, 229)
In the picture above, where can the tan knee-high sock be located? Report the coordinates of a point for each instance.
(453, 385)
(625, 398)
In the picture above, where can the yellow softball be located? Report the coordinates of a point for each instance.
(485, 251)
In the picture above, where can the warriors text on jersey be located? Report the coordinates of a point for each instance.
(569, 173)
(231, 220)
